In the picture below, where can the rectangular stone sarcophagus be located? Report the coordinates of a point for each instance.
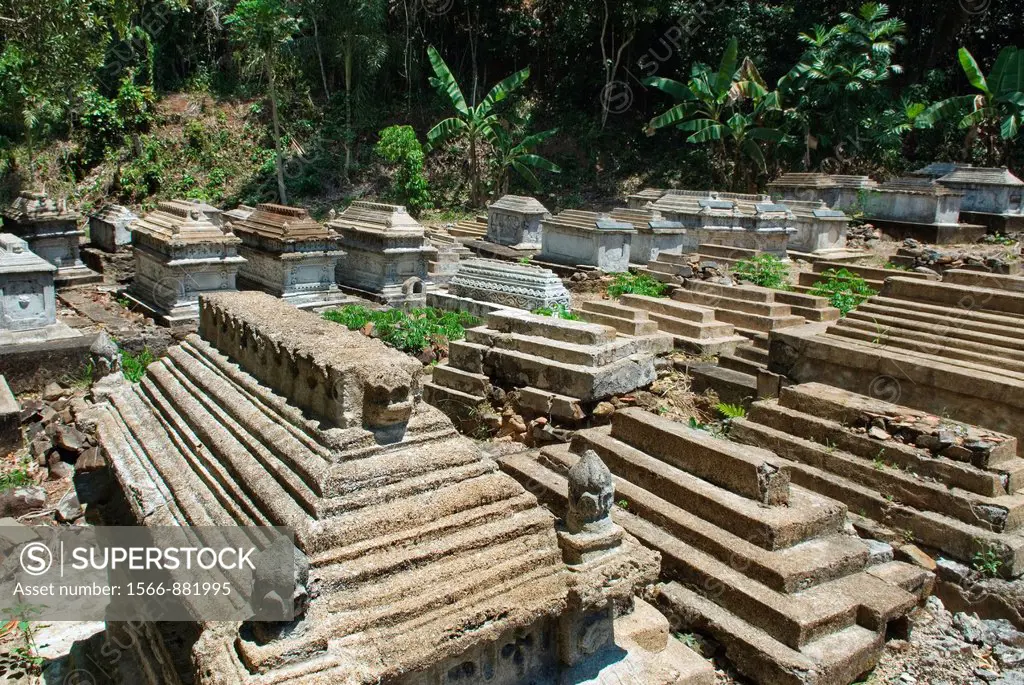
(179, 255)
(510, 285)
(588, 239)
(28, 299)
(289, 255)
(746, 221)
(995, 192)
(818, 229)
(387, 254)
(921, 208)
(837, 191)
(52, 232)
(109, 228)
(515, 221)
(654, 234)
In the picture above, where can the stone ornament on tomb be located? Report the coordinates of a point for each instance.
(109, 229)
(387, 254)
(26, 287)
(52, 232)
(510, 285)
(180, 254)
(515, 221)
(289, 255)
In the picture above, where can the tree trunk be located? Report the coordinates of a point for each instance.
(320, 58)
(474, 173)
(278, 161)
(348, 105)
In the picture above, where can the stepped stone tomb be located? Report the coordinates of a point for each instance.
(109, 229)
(214, 215)
(493, 282)
(578, 238)
(561, 368)
(949, 349)
(52, 232)
(426, 563)
(836, 191)
(991, 197)
(468, 230)
(820, 231)
(289, 255)
(515, 221)
(239, 213)
(654, 234)
(387, 255)
(645, 197)
(745, 221)
(180, 255)
(748, 555)
(919, 208)
(449, 253)
(28, 298)
(905, 474)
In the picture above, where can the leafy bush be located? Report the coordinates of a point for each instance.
(844, 289)
(399, 145)
(133, 366)
(765, 270)
(14, 479)
(411, 333)
(636, 284)
(559, 310)
(731, 411)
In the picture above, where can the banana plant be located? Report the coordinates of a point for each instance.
(995, 112)
(729, 107)
(475, 123)
(519, 157)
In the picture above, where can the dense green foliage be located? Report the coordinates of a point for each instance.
(636, 284)
(134, 366)
(14, 479)
(765, 270)
(96, 95)
(398, 145)
(844, 289)
(558, 310)
(410, 332)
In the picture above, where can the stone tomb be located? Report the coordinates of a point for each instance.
(28, 299)
(449, 253)
(837, 191)
(429, 565)
(289, 255)
(180, 255)
(749, 222)
(519, 286)
(560, 367)
(819, 229)
(991, 197)
(52, 232)
(577, 238)
(943, 348)
(109, 229)
(940, 483)
(515, 221)
(387, 254)
(654, 234)
(919, 208)
(752, 559)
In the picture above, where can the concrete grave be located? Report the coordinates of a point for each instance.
(654, 234)
(950, 486)
(180, 255)
(515, 221)
(52, 231)
(519, 286)
(239, 213)
(919, 208)
(820, 230)
(450, 251)
(109, 229)
(744, 221)
(387, 254)
(588, 239)
(560, 367)
(289, 255)
(425, 562)
(759, 563)
(837, 191)
(28, 298)
(991, 197)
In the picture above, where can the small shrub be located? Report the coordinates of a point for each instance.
(411, 333)
(14, 479)
(558, 310)
(844, 289)
(988, 563)
(399, 145)
(765, 270)
(526, 261)
(133, 366)
(731, 411)
(636, 284)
